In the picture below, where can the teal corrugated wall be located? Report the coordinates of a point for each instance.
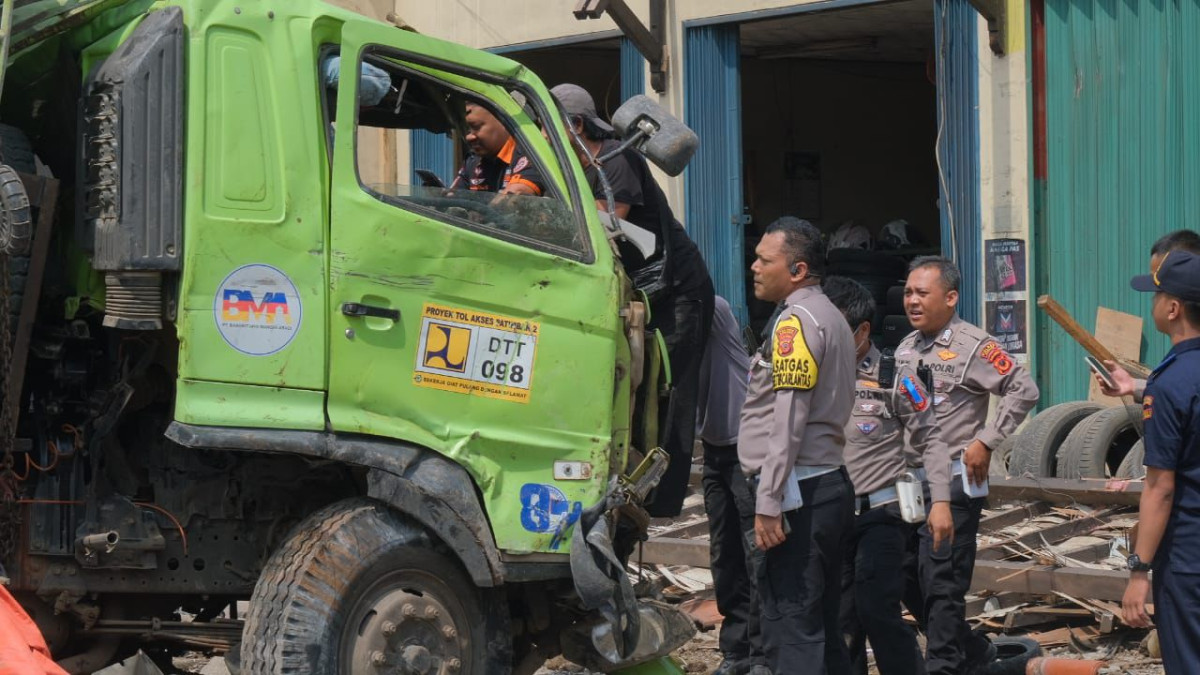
(1123, 111)
(434, 152)
(713, 179)
(633, 70)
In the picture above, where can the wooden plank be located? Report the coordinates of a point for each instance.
(1050, 535)
(1093, 492)
(1121, 333)
(1023, 577)
(999, 521)
(671, 551)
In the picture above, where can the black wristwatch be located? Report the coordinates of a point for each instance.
(1135, 564)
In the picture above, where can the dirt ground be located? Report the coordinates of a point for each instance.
(702, 656)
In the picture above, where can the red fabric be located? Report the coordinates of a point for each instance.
(23, 651)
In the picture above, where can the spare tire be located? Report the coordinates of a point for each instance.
(1035, 452)
(1096, 447)
(1134, 464)
(1001, 457)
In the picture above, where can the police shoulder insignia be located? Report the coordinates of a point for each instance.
(915, 393)
(792, 363)
(1147, 407)
(995, 355)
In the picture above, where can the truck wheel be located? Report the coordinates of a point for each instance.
(1133, 466)
(1035, 452)
(17, 152)
(357, 588)
(1098, 444)
(16, 226)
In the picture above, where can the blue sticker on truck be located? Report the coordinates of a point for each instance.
(544, 508)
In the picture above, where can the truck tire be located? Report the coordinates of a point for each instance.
(1035, 452)
(1001, 457)
(356, 588)
(17, 152)
(1098, 444)
(16, 226)
(1133, 466)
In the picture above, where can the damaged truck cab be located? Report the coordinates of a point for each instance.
(252, 360)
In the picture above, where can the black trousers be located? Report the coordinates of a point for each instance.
(945, 579)
(730, 508)
(1177, 616)
(873, 586)
(799, 581)
(685, 320)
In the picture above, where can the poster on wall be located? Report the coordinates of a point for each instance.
(1005, 261)
(1006, 321)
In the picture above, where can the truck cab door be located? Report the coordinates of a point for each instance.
(483, 327)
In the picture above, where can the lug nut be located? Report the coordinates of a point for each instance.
(389, 628)
(378, 659)
(408, 611)
(431, 613)
(453, 665)
(449, 632)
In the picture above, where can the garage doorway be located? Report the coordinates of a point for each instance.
(839, 126)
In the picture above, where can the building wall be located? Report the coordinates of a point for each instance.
(1003, 80)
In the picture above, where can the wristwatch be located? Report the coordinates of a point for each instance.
(1135, 564)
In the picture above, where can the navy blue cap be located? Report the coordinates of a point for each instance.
(1178, 274)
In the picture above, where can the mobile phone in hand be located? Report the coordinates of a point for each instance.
(1100, 370)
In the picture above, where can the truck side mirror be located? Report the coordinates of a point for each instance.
(664, 140)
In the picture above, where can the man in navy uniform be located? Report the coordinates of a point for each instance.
(1168, 539)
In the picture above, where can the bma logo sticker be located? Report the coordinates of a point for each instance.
(257, 310)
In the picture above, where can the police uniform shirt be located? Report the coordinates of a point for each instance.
(875, 450)
(799, 397)
(1171, 411)
(723, 371)
(493, 174)
(968, 365)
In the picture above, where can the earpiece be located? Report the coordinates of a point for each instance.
(794, 269)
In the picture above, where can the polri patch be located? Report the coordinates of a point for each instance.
(995, 355)
(792, 363)
(1147, 407)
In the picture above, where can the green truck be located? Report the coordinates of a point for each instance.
(412, 425)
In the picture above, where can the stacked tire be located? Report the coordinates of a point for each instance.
(1035, 451)
(1098, 445)
(1079, 439)
(882, 274)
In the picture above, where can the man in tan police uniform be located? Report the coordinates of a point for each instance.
(968, 366)
(799, 397)
(873, 581)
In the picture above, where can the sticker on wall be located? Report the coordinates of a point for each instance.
(544, 508)
(470, 352)
(257, 310)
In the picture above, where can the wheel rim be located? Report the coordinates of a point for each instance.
(407, 623)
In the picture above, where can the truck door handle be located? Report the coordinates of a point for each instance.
(359, 309)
